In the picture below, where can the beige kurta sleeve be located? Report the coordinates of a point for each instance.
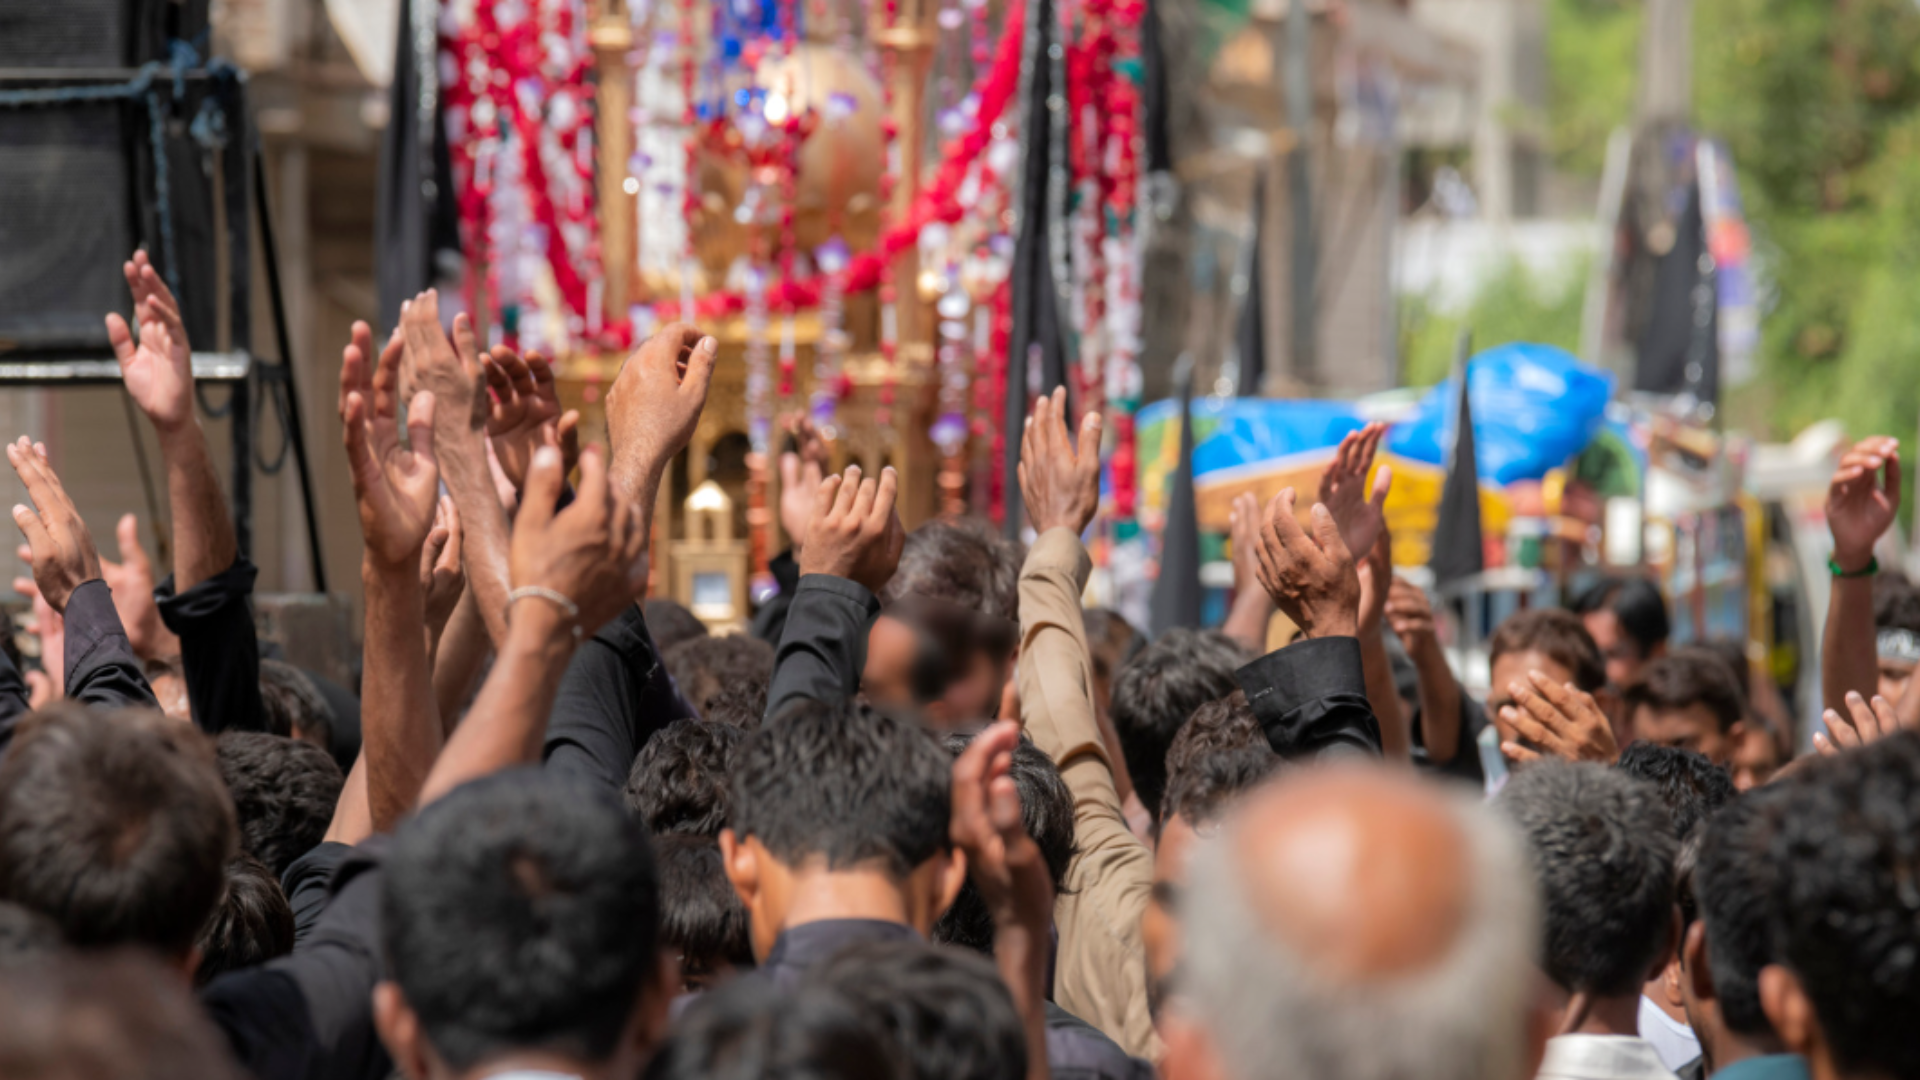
(1100, 973)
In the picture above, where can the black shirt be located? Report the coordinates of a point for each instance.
(612, 699)
(1311, 700)
(308, 883)
(219, 651)
(823, 648)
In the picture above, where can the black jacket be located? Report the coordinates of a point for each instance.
(1311, 700)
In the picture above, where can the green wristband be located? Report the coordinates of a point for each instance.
(1872, 568)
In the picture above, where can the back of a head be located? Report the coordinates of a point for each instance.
(948, 1008)
(750, 1030)
(1155, 695)
(846, 784)
(1683, 679)
(294, 706)
(1556, 634)
(701, 917)
(963, 563)
(1733, 883)
(1217, 731)
(115, 824)
(680, 780)
(252, 925)
(1602, 848)
(1351, 979)
(1111, 640)
(1206, 787)
(742, 706)
(1046, 809)
(1896, 603)
(1691, 786)
(705, 667)
(284, 793)
(26, 936)
(670, 623)
(1846, 862)
(520, 912)
(1636, 602)
(1732, 654)
(116, 1015)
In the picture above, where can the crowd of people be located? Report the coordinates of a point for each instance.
(931, 819)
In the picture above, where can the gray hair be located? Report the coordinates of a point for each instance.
(1463, 1017)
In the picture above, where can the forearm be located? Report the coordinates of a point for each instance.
(203, 537)
(401, 732)
(1439, 703)
(352, 818)
(1396, 741)
(508, 721)
(461, 652)
(823, 651)
(1248, 618)
(486, 532)
(1020, 953)
(1848, 654)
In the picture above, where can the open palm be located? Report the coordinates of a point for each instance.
(1859, 507)
(397, 485)
(1360, 513)
(158, 369)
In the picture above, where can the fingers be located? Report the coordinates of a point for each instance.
(33, 528)
(450, 512)
(825, 496)
(569, 432)
(27, 465)
(1521, 755)
(849, 491)
(1840, 731)
(126, 535)
(465, 345)
(1087, 452)
(1382, 483)
(1326, 534)
(354, 435)
(889, 488)
(1893, 478)
(519, 376)
(121, 338)
(420, 428)
(863, 499)
(1865, 720)
(543, 487)
(789, 470)
(545, 386)
(1822, 744)
(700, 364)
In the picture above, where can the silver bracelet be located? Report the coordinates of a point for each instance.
(567, 607)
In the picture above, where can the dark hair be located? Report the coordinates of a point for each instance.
(284, 793)
(1685, 859)
(1111, 639)
(742, 706)
(519, 912)
(1201, 792)
(1155, 695)
(703, 667)
(950, 1013)
(116, 824)
(1733, 882)
(1896, 603)
(1557, 635)
(293, 704)
(965, 563)
(1682, 680)
(680, 782)
(252, 925)
(751, 1030)
(1046, 809)
(670, 623)
(1845, 862)
(26, 936)
(1636, 602)
(846, 782)
(118, 1015)
(1691, 786)
(1603, 852)
(1732, 653)
(1225, 724)
(700, 914)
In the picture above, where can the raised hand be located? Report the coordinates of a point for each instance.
(395, 485)
(158, 370)
(1061, 484)
(442, 578)
(49, 684)
(1859, 507)
(1310, 578)
(592, 553)
(131, 580)
(1865, 722)
(64, 557)
(1343, 488)
(1376, 577)
(654, 404)
(1243, 530)
(855, 533)
(1410, 614)
(525, 412)
(801, 470)
(449, 368)
(1003, 861)
(1555, 720)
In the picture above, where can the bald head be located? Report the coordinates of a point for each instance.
(1361, 924)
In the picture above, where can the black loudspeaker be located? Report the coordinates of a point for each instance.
(98, 34)
(84, 181)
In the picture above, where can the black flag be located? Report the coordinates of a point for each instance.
(1457, 550)
(416, 224)
(1250, 337)
(1176, 593)
(1036, 340)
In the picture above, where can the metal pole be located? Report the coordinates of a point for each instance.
(1299, 92)
(242, 465)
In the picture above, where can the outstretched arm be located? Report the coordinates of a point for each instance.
(1859, 509)
(1410, 614)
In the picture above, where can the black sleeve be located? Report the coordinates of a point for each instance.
(824, 648)
(614, 696)
(309, 1016)
(13, 694)
(770, 621)
(1311, 699)
(219, 653)
(101, 667)
(308, 883)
